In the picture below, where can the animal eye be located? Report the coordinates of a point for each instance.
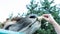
(32, 16)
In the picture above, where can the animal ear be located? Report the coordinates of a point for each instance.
(7, 19)
(16, 19)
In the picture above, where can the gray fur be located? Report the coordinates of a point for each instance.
(23, 25)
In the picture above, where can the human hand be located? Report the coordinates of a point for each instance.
(49, 18)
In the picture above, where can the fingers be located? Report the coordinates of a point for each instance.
(46, 15)
(40, 17)
(45, 18)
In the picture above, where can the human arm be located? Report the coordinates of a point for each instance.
(50, 19)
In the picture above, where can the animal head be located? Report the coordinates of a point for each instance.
(28, 24)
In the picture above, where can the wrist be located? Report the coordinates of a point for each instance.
(54, 23)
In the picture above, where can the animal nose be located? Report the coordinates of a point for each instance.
(33, 16)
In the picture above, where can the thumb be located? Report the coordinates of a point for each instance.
(40, 17)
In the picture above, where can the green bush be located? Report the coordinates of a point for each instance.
(44, 7)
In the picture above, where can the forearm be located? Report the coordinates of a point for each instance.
(50, 19)
(56, 27)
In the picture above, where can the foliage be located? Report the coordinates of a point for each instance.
(44, 7)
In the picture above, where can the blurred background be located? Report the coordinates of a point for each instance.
(12, 8)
